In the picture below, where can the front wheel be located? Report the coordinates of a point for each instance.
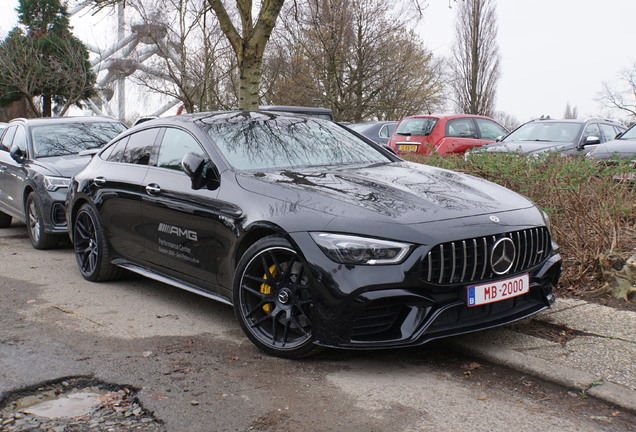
(272, 299)
(40, 239)
(91, 248)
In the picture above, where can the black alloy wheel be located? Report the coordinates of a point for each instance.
(272, 299)
(91, 248)
(40, 239)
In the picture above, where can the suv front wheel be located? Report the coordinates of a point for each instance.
(40, 239)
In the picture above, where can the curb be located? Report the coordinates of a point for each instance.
(573, 379)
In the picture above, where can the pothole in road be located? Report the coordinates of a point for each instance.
(76, 404)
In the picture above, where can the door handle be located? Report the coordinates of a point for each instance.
(99, 180)
(153, 189)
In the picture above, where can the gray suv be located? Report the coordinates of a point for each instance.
(37, 159)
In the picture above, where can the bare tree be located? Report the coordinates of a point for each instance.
(356, 57)
(507, 120)
(248, 36)
(623, 99)
(475, 63)
(570, 112)
(193, 61)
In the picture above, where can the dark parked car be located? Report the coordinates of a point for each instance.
(624, 147)
(569, 137)
(426, 134)
(316, 236)
(37, 159)
(378, 131)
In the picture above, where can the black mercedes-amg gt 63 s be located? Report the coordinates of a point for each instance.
(316, 236)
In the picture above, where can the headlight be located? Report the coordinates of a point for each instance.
(348, 249)
(54, 183)
(546, 219)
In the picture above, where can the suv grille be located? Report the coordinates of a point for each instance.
(467, 261)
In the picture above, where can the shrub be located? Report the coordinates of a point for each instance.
(591, 212)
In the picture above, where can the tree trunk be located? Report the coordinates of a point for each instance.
(46, 105)
(249, 83)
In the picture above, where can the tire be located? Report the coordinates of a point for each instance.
(91, 248)
(40, 239)
(272, 299)
(5, 220)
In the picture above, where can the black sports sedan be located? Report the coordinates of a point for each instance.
(37, 159)
(316, 236)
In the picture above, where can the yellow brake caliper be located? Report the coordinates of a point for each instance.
(266, 289)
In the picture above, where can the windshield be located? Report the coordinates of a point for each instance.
(629, 133)
(544, 131)
(416, 126)
(253, 141)
(71, 138)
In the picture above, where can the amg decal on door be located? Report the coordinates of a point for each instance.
(178, 231)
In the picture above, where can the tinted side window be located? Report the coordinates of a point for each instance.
(7, 139)
(19, 140)
(175, 144)
(387, 130)
(115, 152)
(463, 127)
(139, 147)
(608, 131)
(592, 130)
(489, 129)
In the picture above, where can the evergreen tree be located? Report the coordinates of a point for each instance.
(43, 59)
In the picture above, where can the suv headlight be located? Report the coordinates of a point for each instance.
(348, 249)
(54, 183)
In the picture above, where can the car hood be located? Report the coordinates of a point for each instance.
(526, 147)
(63, 166)
(400, 192)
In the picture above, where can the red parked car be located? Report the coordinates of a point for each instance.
(425, 134)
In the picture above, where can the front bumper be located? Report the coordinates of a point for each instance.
(392, 306)
(53, 211)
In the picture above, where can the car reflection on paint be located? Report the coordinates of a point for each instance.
(317, 237)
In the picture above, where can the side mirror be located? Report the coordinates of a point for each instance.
(17, 154)
(499, 138)
(202, 173)
(591, 140)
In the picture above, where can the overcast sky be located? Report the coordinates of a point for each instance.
(552, 51)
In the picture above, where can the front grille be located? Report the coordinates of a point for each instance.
(467, 261)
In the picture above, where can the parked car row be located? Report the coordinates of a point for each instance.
(444, 134)
(316, 236)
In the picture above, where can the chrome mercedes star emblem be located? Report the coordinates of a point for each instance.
(502, 256)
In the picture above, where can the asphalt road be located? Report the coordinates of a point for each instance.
(197, 372)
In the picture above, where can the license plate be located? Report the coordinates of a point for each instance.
(411, 148)
(498, 290)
